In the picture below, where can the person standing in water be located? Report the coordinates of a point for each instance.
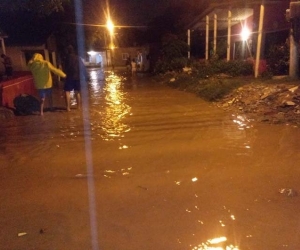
(73, 67)
(7, 65)
(41, 71)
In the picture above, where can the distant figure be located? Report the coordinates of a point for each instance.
(41, 71)
(128, 64)
(133, 67)
(7, 65)
(73, 67)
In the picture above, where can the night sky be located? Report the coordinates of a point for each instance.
(130, 12)
(140, 11)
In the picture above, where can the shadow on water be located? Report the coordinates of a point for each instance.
(170, 171)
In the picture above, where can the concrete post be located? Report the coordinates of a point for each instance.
(259, 39)
(189, 42)
(207, 39)
(215, 33)
(229, 34)
(294, 61)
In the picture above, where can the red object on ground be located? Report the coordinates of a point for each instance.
(10, 89)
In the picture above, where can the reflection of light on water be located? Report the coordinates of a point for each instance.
(215, 244)
(238, 134)
(217, 240)
(116, 108)
(124, 171)
(96, 85)
(93, 75)
(241, 121)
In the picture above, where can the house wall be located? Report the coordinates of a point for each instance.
(118, 57)
(20, 55)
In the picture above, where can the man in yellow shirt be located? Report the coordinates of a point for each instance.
(41, 71)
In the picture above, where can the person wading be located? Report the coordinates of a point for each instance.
(73, 67)
(7, 65)
(41, 71)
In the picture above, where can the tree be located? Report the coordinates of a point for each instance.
(40, 7)
(173, 54)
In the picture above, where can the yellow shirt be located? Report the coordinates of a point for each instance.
(41, 71)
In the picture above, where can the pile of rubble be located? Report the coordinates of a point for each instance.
(272, 103)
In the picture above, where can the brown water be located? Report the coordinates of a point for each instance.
(147, 167)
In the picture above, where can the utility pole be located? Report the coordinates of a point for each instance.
(293, 15)
(259, 38)
(189, 42)
(294, 62)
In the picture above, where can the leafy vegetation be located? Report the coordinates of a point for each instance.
(278, 58)
(173, 54)
(210, 89)
(41, 7)
(211, 80)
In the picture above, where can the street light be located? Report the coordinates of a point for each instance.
(110, 26)
(245, 34)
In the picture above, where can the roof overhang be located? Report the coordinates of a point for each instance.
(240, 11)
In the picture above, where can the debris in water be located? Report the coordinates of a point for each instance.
(22, 234)
(288, 192)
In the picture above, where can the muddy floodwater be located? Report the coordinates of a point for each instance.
(144, 166)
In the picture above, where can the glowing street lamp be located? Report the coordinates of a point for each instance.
(110, 26)
(245, 34)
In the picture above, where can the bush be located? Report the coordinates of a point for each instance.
(278, 58)
(215, 89)
(177, 64)
(215, 67)
(210, 89)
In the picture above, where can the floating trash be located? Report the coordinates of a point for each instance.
(22, 234)
(288, 192)
(81, 176)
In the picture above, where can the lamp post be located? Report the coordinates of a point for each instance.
(189, 42)
(245, 34)
(110, 27)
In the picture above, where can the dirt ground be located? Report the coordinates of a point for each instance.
(273, 101)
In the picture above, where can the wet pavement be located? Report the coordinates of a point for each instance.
(144, 166)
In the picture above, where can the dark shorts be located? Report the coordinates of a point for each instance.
(72, 85)
(44, 92)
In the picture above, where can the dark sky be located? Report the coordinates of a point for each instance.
(141, 11)
(129, 12)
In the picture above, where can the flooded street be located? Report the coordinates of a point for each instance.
(144, 166)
